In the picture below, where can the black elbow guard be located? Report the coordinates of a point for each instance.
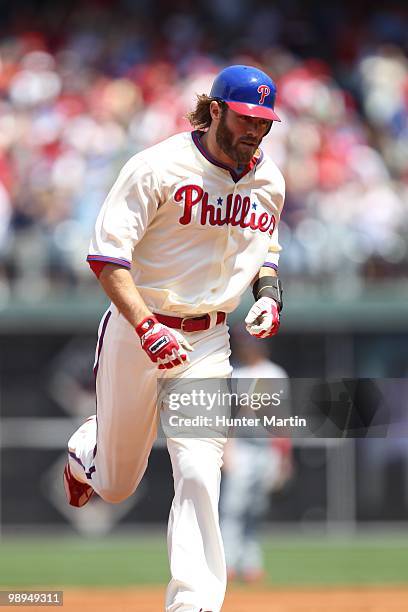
(268, 286)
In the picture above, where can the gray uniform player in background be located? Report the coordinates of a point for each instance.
(253, 467)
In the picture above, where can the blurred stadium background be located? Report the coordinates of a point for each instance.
(83, 86)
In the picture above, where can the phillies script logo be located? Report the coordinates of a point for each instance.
(264, 90)
(237, 211)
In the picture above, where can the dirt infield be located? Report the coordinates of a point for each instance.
(373, 599)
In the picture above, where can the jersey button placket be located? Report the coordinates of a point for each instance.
(231, 240)
(227, 234)
(233, 229)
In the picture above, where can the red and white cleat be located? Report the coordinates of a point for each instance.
(253, 576)
(78, 493)
(232, 574)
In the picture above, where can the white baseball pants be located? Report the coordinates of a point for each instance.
(110, 451)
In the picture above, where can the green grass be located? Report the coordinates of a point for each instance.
(82, 562)
(323, 564)
(141, 560)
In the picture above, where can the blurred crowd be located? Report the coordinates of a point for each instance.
(82, 88)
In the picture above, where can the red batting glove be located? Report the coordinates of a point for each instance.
(262, 321)
(165, 346)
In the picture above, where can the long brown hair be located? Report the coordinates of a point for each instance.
(200, 117)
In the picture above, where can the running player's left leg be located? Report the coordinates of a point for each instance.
(196, 552)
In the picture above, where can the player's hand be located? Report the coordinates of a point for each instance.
(262, 321)
(166, 347)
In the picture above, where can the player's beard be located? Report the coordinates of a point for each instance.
(236, 150)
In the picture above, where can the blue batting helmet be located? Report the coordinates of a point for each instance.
(247, 91)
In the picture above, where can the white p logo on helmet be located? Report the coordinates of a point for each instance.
(264, 90)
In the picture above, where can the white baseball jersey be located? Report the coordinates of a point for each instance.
(193, 233)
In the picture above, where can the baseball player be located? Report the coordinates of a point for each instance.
(185, 229)
(253, 467)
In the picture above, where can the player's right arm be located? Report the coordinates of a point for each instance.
(118, 285)
(122, 222)
(165, 347)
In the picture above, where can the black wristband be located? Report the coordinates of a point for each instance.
(268, 286)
